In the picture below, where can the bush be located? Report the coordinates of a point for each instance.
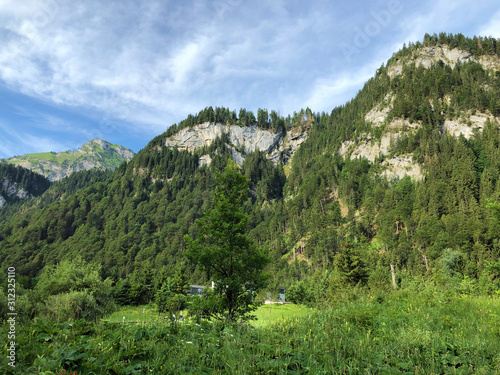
(379, 279)
(70, 306)
(300, 292)
(71, 290)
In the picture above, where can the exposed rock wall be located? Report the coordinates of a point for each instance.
(370, 148)
(398, 167)
(428, 56)
(204, 160)
(248, 139)
(466, 126)
(401, 166)
(242, 140)
(378, 114)
(11, 189)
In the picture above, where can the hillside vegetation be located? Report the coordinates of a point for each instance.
(388, 210)
(135, 222)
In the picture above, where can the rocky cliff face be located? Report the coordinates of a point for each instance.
(427, 56)
(397, 167)
(93, 154)
(468, 123)
(11, 190)
(242, 140)
(370, 148)
(460, 124)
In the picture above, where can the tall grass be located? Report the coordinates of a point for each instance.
(392, 334)
(267, 315)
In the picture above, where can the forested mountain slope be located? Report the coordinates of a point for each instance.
(437, 124)
(18, 183)
(401, 175)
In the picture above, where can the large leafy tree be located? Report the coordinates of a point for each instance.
(226, 253)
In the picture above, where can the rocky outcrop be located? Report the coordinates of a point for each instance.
(247, 139)
(12, 190)
(286, 147)
(466, 126)
(3, 202)
(93, 154)
(204, 160)
(238, 157)
(125, 153)
(242, 140)
(344, 147)
(402, 124)
(378, 114)
(401, 166)
(428, 56)
(365, 146)
(395, 167)
(369, 148)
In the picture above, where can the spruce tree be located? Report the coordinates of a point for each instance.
(226, 252)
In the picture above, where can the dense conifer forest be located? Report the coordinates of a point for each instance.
(337, 229)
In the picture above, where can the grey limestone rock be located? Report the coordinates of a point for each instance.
(242, 140)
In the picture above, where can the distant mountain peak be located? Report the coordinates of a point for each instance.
(96, 153)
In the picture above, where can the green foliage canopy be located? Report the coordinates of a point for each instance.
(223, 249)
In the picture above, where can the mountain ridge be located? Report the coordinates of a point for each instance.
(278, 147)
(136, 219)
(96, 153)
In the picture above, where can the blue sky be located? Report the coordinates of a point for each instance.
(125, 71)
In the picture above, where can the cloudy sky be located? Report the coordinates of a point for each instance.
(124, 71)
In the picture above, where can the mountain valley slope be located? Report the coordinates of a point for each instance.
(404, 172)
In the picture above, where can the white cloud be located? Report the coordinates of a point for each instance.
(18, 143)
(90, 56)
(151, 63)
(492, 28)
(330, 92)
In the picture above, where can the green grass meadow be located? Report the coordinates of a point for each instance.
(265, 315)
(394, 333)
(270, 314)
(144, 313)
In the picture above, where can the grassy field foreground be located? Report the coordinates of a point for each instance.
(397, 333)
(265, 314)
